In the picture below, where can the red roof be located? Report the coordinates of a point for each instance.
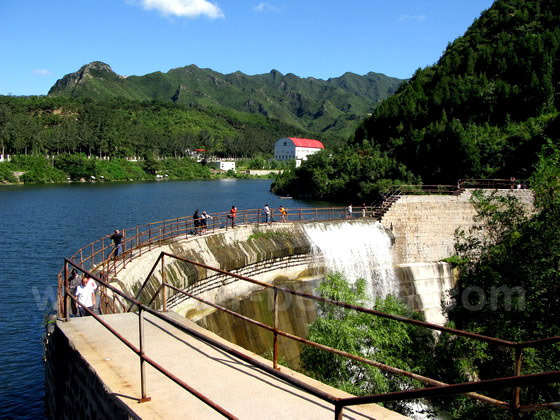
(315, 144)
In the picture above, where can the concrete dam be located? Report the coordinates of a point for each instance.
(400, 255)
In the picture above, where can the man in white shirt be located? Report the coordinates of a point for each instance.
(85, 294)
(267, 213)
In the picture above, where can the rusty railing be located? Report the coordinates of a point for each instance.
(436, 387)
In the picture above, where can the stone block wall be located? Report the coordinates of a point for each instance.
(73, 389)
(424, 225)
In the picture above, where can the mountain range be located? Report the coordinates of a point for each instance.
(336, 105)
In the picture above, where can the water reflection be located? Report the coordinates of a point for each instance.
(295, 314)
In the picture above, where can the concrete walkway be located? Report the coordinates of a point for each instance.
(235, 385)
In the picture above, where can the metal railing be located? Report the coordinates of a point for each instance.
(89, 260)
(98, 256)
(436, 388)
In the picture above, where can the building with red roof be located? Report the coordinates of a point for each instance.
(288, 148)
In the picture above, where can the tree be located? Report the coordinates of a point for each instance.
(508, 287)
(387, 341)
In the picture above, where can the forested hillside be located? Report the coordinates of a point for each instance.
(484, 109)
(119, 128)
(335, 105)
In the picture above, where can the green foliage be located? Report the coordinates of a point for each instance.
(269, 234)
(35, 169)
(310, 105)
(479, 111)
(122, 128)
(386, 341)
(484, 110)
(343, 176)
(507, 288)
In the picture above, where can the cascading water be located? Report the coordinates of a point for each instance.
(357, 249)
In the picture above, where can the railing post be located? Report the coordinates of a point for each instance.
(163, 289)
(275, 347)
(142, 367)
(66, 297)
(516, 391)
(338, 412)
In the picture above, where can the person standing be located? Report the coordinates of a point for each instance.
(363, 209)
(117, 238)
(85, 292)
(204, 221)
(232, 215)
(196, 221)
(267, 213)
(283, 213)
(349, 211)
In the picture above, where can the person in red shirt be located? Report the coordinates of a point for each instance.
(232, 215)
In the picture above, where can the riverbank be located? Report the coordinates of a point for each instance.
(80, 169)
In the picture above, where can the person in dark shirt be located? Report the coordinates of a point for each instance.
(196, 219)
(117, 238)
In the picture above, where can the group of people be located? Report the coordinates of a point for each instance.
(84, 288)
(200, 221)
(349, 211)
(268, 214)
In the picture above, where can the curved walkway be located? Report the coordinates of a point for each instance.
(242, 389)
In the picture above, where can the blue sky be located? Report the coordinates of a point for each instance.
(42, 40)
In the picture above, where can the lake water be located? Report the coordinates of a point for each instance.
(40, 225)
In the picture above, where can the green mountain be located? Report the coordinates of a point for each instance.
(335, 105)
(484, 110)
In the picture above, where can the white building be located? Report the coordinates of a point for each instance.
(288, 148)
(222, 165)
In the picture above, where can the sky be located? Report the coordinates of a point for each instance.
(43, 40)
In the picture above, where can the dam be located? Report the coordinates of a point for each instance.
(409, 241)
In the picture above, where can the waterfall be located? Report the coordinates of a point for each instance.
(357, 249)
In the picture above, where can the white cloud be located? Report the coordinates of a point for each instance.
(266, 7)
(184, 8)
(42, 72)
(412, 18)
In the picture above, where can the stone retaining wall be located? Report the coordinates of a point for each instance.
(424, 225)
(73, 389)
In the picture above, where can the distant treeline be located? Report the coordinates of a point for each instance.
(116, 128)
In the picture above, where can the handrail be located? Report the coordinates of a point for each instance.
(97, 256)
(442, 388)
(437, 387)
(140, 238)
(159, 233)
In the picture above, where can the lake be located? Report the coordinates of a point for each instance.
(40, 225)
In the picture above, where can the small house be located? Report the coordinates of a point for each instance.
(222, 165)
(288, 148)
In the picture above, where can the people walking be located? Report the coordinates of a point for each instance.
(85, 293)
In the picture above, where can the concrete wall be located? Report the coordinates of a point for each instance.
(424, 225)
(263, 253)
(73, 389)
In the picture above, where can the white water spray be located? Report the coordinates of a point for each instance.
(357, 250)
